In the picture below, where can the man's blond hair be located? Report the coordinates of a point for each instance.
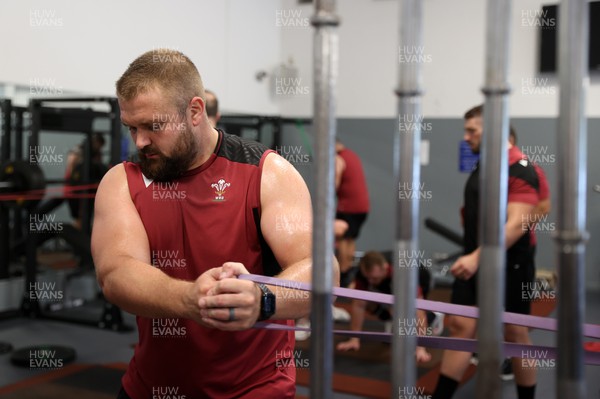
(168, 70)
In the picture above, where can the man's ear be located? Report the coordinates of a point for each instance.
(197, 109)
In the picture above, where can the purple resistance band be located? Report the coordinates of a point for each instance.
(458, 344)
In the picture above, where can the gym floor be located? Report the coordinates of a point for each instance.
(363, 371)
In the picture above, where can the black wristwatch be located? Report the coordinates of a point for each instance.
(267, 303)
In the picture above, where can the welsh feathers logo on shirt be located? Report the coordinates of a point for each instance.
(220, 188)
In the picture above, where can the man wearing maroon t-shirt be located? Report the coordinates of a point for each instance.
(172, 233)
(352, 205)
(544, 205)
(523, 196)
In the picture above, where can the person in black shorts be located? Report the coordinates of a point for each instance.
(352, 207)
(523, 195)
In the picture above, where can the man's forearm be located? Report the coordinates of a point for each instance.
(357, 316)
(292, 303)
(143, 290)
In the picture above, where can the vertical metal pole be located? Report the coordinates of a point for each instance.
(407, 174)
(4, 242)
(115, 132)
(492, 205)
(18, 232)
(19, 116)
(5, 137)
(5, 130)
(325, 75)
(35, 110)
(86, 203)
(573, 22)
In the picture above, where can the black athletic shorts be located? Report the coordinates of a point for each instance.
(355, 222)
(520, 275)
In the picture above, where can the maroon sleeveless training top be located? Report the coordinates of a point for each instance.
(205, 218)
(352, 193)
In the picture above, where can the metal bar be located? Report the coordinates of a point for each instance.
(35, 110)
(573, 23)
(18, 233)
(325, 76)
(29, 306)
(407, 174)
(444, 231)
(74, 99)
(56, 181)
(85, 203)
(115, 132)
(18, 152)
(5, 130)
(4, 243)
(493, 180)
(5, 147)
(74, 112)
(277, 129)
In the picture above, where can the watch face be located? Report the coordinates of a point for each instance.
(268, 305)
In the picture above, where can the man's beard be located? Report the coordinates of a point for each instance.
(170, 168)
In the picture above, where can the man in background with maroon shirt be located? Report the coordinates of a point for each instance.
(352, 205)
(523, 196)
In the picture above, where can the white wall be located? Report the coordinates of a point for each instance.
(231, 40)
(90, 43)
(453, 40)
